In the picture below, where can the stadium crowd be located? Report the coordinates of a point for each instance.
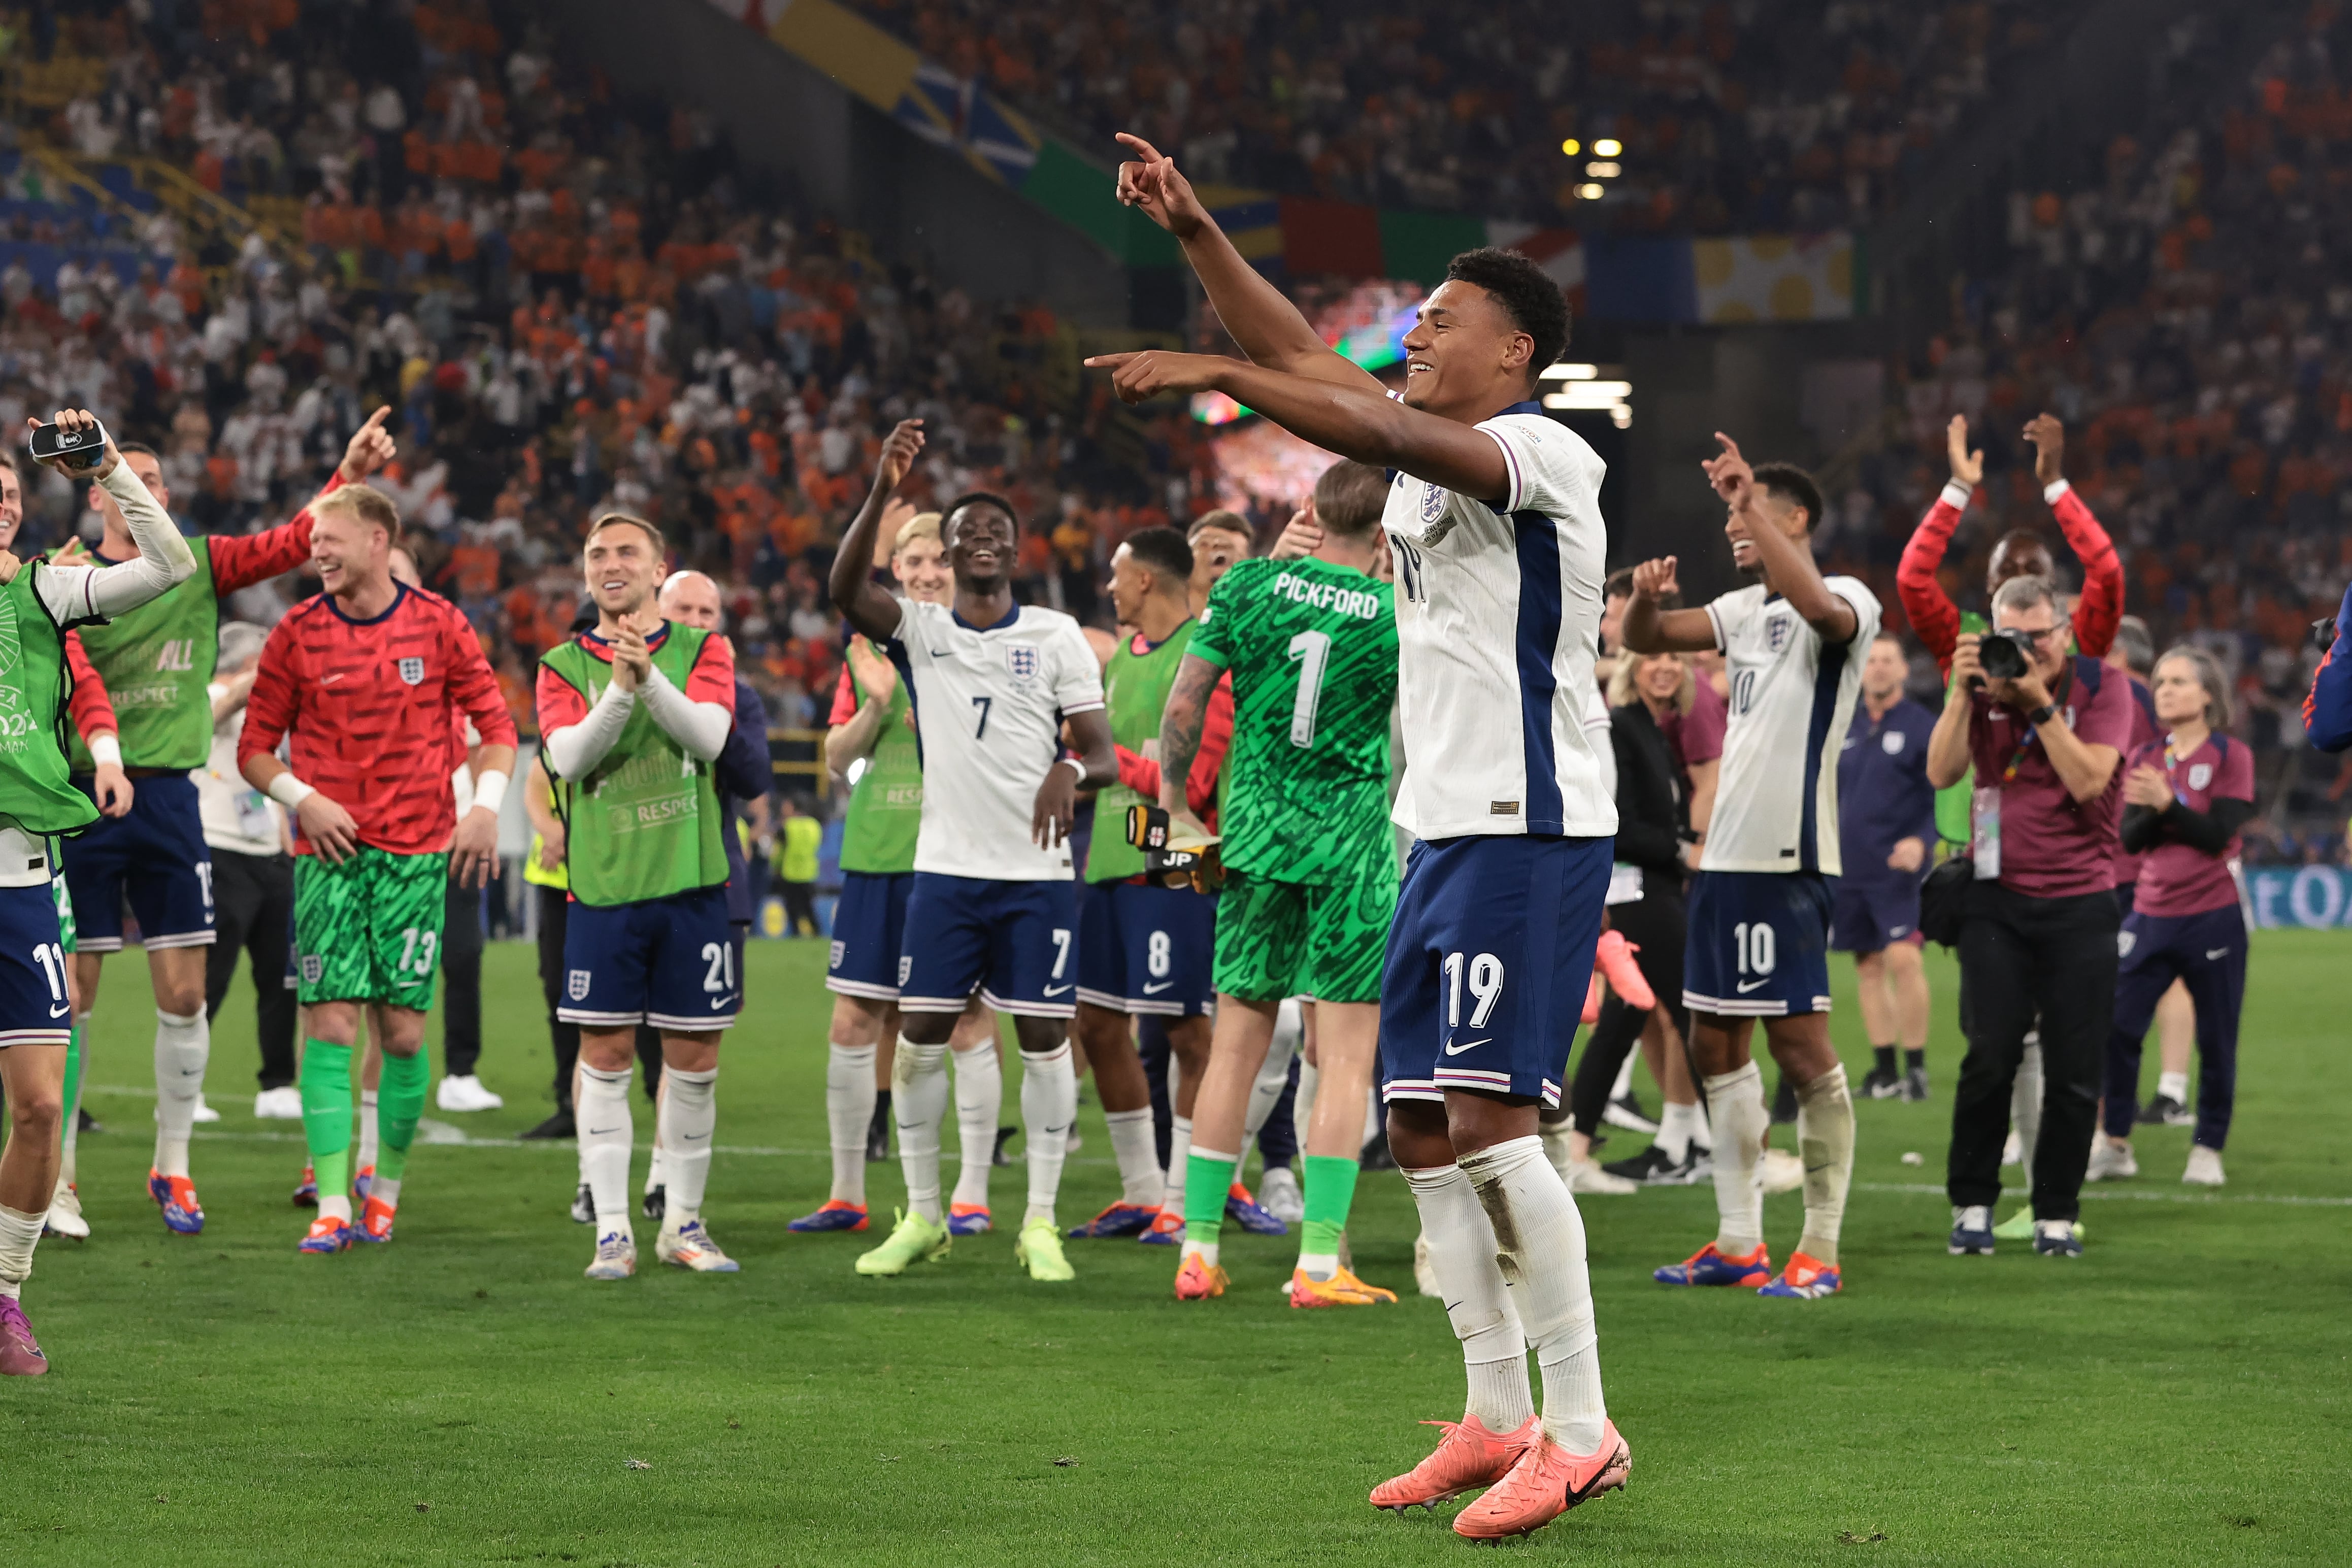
(1728, 117)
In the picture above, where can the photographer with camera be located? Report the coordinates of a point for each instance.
(2044, 730)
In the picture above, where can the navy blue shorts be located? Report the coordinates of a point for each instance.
(1488, 958)
(155, 855)
(1873, 915)
(869, 926)
(33, 1006)
(1758, 944)
(668, 962)
(1013, 942)
(1146, 949)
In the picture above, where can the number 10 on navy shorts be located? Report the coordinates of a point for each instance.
(1488, 958)
(1758, 944)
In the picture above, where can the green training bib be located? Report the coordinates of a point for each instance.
(156, 661)
(886, 808)
(33, 793)
(1135, 694)
(645, 823)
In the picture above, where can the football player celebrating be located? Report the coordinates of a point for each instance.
(993, 683)
(366, 682)
(38, 802)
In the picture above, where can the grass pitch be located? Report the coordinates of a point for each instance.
(2178, 1395)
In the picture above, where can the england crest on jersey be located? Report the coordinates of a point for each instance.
(1021, 658)
(412, 670)
(1777, 632)
(2199, 775)
(576, 983)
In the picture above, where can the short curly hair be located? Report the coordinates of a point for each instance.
(1527, 294)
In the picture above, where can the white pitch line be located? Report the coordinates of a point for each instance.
(2127, 1195)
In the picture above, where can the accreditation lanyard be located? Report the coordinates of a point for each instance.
(1984, 814)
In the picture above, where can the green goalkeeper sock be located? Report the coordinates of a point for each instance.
(327, 1120)
(1207, 1175)
(1330, 1190)
(399, 1101)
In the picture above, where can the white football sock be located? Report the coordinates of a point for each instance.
(602, 1112)
(1675, 1125)
(385, 1190)
(919, 1099)
(1049, 1105)
(1133, 1145)
(1735, 1103)
(18, 1232)
(2174, 1085)
(1462, 1254)
(369, 1140)
(1825, 1143)
(1180, 1151)
(182, 1044)
(2025, 1101)
(1302, 1106)
(689, 1116)
(979, 1098)
(849, 1095)
(1540, 1253)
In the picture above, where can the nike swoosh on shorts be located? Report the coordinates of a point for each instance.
(1467, 1044)
(1747, 985)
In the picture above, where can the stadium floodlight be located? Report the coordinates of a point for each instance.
(1565, 372)
(1608, 146)
(1603, 171)
(1591, 193)
(1588, 395)
(1571, 147)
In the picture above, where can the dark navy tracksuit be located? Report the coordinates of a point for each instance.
(1883, 797)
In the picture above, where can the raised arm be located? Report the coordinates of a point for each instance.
(76, 593)
(2101, 607)
(1935, 619)
(1261, 318)
(854, 593)
(1787, 564)
(1349, 419)
(1651, 630)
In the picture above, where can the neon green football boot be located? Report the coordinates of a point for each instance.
(1040, 1251)
(913, 1239)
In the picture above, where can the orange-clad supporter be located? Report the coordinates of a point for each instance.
(206, 167)
(474, 569)
(416, 152)
(458, 239)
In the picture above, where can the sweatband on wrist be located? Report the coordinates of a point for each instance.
(1956, 493)
(289, 791)
(2052, 490)
(491, 790)
(1075, 765)
(106, 751)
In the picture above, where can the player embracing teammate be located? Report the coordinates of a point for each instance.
(1494, 527)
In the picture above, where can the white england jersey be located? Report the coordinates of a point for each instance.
(1776, 803)
(989, 705)
(1499, 620)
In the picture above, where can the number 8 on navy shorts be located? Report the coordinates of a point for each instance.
(1758, 944)
(1013, 942)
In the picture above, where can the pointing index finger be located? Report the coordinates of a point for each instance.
(1143, 149)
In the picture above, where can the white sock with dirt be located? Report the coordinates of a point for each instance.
(18, 1233)
(1539, 1252)
(2173, 1086)
(607, 1133)
(919, 1099)
(687, 1118)
(1049, 1106)
(849, 1095)
(183, 1042)
(1462, 1254)
(979, 1097)
(1133, 1145)
(371, 1138)
(1825, 1143)
(1735, 1103)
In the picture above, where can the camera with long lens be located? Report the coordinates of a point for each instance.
(1199, 867)
(2006, 655)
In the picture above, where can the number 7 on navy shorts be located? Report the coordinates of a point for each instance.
(1015, 942)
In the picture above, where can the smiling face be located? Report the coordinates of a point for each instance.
(921, 568)
(1465, 354)
(982, 541)
(1779, 512)
(623, 566)
(1659, 677)
(347, 552)
(2178, 694)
